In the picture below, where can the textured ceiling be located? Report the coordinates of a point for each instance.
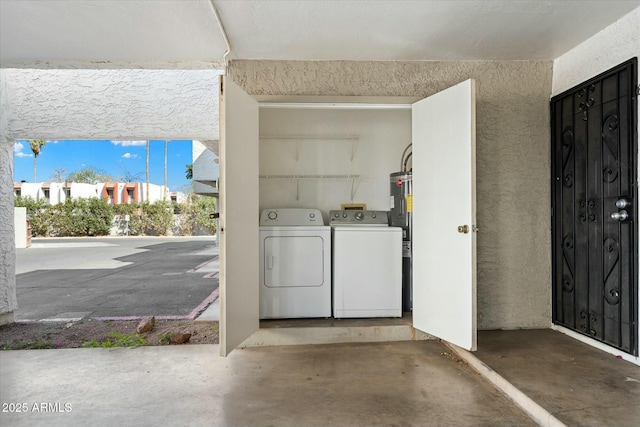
(184, 33)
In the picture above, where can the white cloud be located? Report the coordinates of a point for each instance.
(17, 150)
(129, 143)
(129, 156)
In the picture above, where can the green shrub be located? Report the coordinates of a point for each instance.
(38, 212)
(157, 218)
(134, 210)
(74, 217)
(197, 212)
(94, 216)
(81, 217)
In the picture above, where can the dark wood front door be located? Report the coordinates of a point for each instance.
(594, 207)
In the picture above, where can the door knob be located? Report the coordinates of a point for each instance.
(620, 216)
(622, 203)
(463, 229)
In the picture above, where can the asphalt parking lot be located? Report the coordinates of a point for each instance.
(116, 277)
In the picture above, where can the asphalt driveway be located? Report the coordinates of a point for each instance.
(116, 277)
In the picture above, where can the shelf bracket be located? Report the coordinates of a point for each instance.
(354, 188)
(354, 148)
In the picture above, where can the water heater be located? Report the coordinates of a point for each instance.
(401, 207)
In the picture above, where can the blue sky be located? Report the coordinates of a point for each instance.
(114, 157)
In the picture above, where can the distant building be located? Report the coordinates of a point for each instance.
(205, 167)
(115, 193)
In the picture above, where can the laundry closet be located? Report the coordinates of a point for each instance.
(329, 154)
(324, 158)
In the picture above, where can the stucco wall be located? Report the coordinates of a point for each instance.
(512, 160)
(7, 236)
(112, 104)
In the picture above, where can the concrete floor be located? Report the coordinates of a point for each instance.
(576, 383)
(366, 384)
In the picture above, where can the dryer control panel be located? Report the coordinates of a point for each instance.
(291, 217)
(358, 217)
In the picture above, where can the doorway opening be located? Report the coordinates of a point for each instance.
(110, 246)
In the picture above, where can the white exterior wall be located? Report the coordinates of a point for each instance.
(56, 193)
(31, 189)
(205, 167)
(156, 193)
(94, 104)
(610, 47)
(615, 44)
(206, 170)
(82, 190)
(20, 224)
(204, 189)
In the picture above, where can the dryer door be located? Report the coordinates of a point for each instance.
(293, 261)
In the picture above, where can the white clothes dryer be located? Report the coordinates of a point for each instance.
(295, 264)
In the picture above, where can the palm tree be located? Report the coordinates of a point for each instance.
(36, 147)
(147, 170)
(164, 192)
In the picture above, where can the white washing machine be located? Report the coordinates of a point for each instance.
(295, 264)
(367, 264)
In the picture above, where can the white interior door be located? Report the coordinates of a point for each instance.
(444, 199)
(238, 225)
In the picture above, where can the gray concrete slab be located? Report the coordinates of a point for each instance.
(115, 277)
(381, 384)
(577, 384)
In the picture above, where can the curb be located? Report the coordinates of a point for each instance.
(528, 405)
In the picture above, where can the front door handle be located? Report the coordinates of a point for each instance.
(622, 203)
(620, 216)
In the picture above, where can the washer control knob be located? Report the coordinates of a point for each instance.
(359, 216)
(373, 215)
(312, 215)
(344, 215)
(337, 215)
(272, 215)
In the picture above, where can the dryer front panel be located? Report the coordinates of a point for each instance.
(294, 261)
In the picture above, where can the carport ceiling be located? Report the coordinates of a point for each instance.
(184, 33)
